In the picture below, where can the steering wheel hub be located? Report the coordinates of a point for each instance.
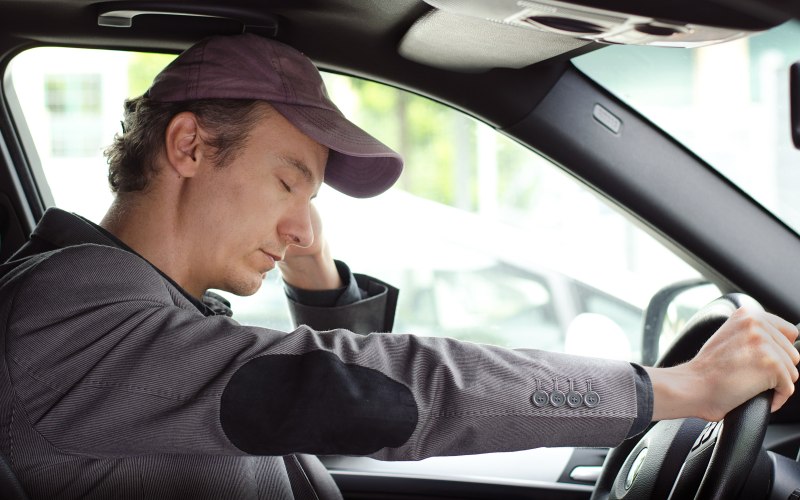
(637, 464)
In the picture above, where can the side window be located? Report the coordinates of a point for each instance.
(619, 322)
(487, 241)
(498, 305)
(73, 104)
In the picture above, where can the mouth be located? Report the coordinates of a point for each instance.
(274, 258)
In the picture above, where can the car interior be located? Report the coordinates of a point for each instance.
(601, 177)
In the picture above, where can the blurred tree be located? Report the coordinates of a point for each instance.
(518, 179)
(142, 68)
(431, 137)
(439, 145)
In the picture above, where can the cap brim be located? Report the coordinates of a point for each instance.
(358, 164)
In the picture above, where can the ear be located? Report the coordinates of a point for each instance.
(184, 148)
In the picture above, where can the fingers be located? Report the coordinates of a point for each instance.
(787, 329)
(783, 342)
(784, 353)
(784, 334)
(778, 400)
(781, 331)
(771, 352)
(783, 368)
(783, 390)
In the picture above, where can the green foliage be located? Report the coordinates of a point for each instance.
(439, 146)
(142, 68)
(427, 135)
(518, 179)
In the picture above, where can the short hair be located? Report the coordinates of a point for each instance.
(133, 156)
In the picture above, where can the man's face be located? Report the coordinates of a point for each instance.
(256, 206)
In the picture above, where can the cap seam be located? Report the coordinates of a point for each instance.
(276, 65)
(194, 83)
(325, 122)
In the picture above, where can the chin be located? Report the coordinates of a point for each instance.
(245, 286)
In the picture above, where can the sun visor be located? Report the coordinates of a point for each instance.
(470, 44)
(591, 24)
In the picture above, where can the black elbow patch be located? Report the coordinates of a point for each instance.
(315, 403)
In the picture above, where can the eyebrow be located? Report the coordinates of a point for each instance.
(301, 167)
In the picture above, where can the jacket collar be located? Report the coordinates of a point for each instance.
(60, 229)
(63, 229)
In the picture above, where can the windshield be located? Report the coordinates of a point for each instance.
(729, 103)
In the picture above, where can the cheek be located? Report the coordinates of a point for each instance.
(246, 212)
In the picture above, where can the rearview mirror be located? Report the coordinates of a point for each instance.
(794, 102)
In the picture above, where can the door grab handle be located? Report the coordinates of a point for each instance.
(263, 24)
(586, 473)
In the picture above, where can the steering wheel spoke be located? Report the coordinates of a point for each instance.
(666, 446)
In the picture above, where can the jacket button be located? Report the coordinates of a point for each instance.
(591, 398)
(557, 398)
(574, 398)
(539, 398)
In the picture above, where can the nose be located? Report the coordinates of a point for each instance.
(296, 228)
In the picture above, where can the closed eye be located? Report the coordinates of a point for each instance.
(286, 187)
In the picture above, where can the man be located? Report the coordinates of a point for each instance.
(120, 379)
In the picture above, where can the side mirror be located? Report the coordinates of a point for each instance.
(669, 310)
(794, 102)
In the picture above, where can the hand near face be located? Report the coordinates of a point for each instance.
(750, 353)
(311, 267)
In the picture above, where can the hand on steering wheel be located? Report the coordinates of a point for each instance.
(712, 461)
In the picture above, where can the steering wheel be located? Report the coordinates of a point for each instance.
(688, 458)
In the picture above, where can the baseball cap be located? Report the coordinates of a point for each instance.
(249, 66)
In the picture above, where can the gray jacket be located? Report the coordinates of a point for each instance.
(114, 384)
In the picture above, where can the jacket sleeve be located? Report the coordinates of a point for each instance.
(365, 305)
(106, 358)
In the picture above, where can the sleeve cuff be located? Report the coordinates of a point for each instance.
(343, 296)
(644, 401)
(373, 311)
